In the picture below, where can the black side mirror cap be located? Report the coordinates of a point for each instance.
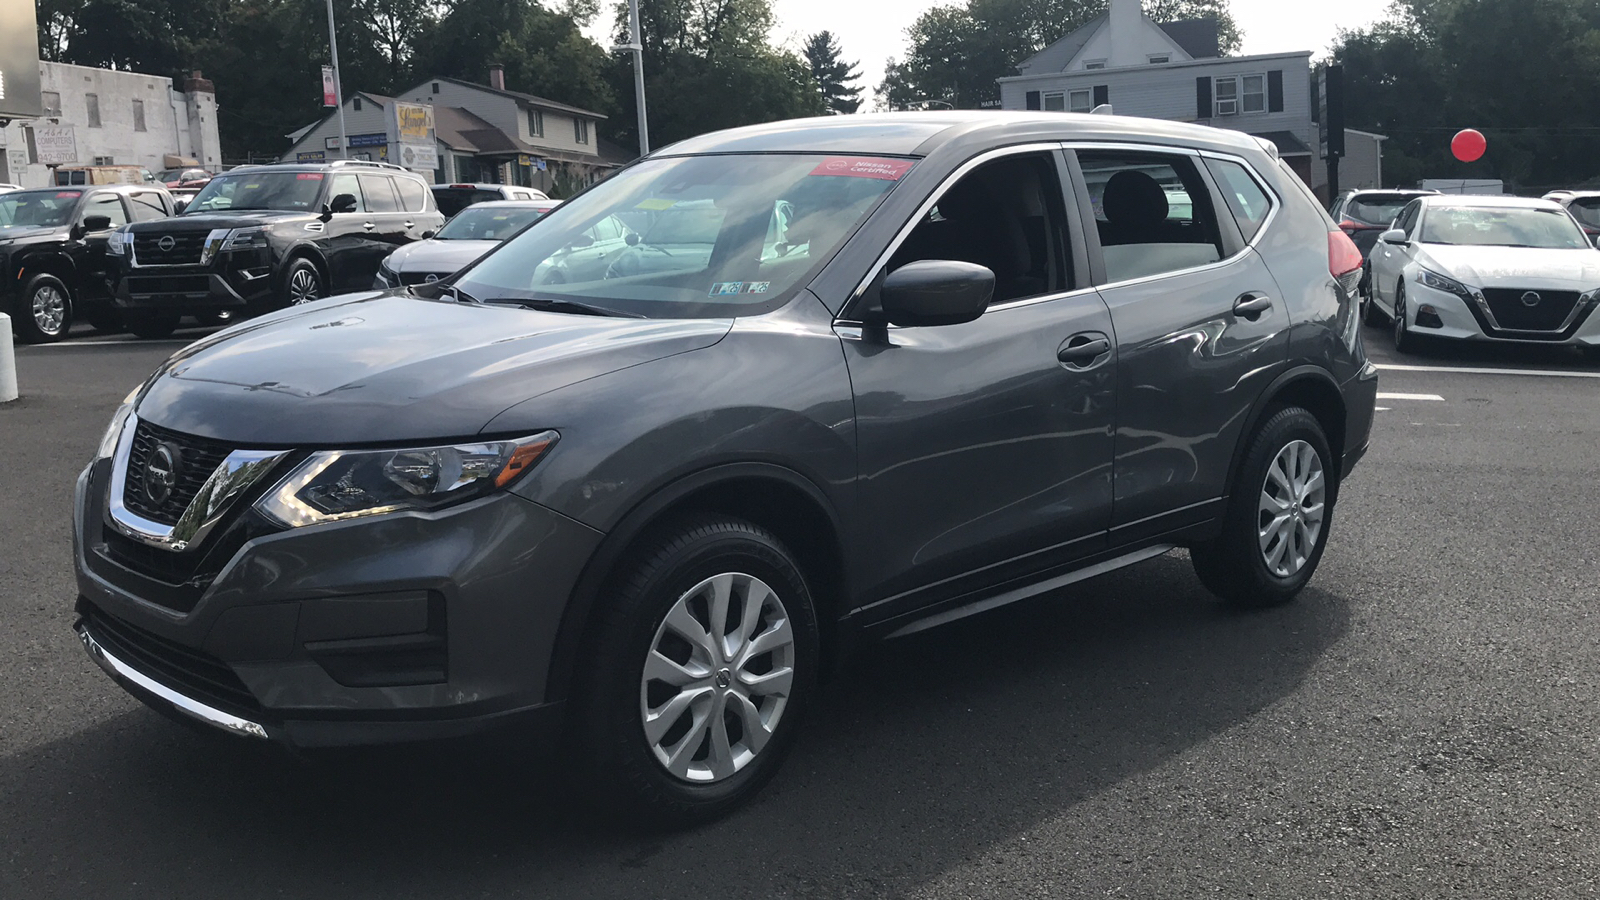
(96, 223)
(428, 235)
(935, 292)
(342, 203)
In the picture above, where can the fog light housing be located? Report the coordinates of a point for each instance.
(1428, 317)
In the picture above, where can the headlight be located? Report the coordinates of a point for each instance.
(108, 442)
(246, 238)
(346, 484)
(387, 276)
(117, 243)
(1441, 283)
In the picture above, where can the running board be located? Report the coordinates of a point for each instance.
(1032, 590)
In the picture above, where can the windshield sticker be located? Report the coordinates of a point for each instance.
(725, 288)
(757, 287)
(68, 195)
(864, 167)
(252, 187)
(657, 203)
(309, 176)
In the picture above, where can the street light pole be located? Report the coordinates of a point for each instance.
(636, 47)
(338, 87)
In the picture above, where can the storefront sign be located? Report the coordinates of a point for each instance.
(54, 145)
(419, 156)
(312, 156)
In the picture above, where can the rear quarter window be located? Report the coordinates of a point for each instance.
(1246, 198)
(413, 194)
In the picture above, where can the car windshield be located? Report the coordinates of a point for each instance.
(289, 191)
(49, 208)
(487, 223)
(690, 236)
(1499, 226)
(454, 200)
(1376, 209)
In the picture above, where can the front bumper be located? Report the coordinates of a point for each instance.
(1460, 319)
(237, 280)
(395, 628)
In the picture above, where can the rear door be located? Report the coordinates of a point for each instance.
(386, 214)
(1200, 323)
(348, 240)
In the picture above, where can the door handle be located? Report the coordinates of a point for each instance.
(368, 226)
(410, 225)
(1252, 305)
(1081, 350)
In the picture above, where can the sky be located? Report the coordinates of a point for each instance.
(874, 30)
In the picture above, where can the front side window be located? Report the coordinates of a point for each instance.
(92, 102)
(1407, 220)
(704, 235)
(1490, 226)
(347, 185)
(47, 208)
(108, 205)
(1153, 213)
(1005, 215)
(1246, 199)
(147, 206)
(290, 191)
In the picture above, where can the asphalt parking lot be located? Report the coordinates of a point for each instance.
(1421, 723)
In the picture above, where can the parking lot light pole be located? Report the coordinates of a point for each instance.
(338, 88)
(636, 47)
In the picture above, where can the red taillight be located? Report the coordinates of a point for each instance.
(1351, 225)
(1343, 257)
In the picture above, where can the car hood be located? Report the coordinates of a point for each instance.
(1515, 267)
(438, 256)
(391, 367)
(30, 233)
(222, 219)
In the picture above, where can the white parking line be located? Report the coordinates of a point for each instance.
(1467, 370)
(1384, 396)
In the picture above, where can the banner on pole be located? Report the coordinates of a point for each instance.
(330, 97)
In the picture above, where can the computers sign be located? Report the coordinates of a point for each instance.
(19, 60)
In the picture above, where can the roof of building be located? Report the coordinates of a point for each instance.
(1197, 37)
(451, 124)
(1288, 144)
(526, 99)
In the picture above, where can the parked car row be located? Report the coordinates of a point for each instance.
(1477, 267)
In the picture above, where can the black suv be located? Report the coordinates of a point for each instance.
(53, 262)
(263, 237)
(880, 373)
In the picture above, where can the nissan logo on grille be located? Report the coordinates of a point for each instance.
(167, 242)
(161, 472)
(1530, 299)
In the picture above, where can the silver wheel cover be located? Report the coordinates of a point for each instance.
(302, 287)
(1290, 512)
(717, 678)
(49, 309)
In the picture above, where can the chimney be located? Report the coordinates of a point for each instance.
(196, 82)
(497, 76)
(1126, 25)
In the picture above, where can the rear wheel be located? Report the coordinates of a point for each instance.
(151, 325)
(45, 311)
(699, 672)
(1276, 526)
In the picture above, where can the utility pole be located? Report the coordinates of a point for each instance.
(338, 86)
(636, 47)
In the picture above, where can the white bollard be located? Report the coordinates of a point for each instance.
(8, 362)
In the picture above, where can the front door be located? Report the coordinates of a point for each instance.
(1201, 329)
(985, 448)
(94, 263)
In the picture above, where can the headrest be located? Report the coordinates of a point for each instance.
(1133, 199)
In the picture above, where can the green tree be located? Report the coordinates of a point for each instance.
(834, 77)
(543, 51)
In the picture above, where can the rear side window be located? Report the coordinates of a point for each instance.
(146, 206)
(1244, 196)
(413, 195)
(1153, 213)
(378, 190)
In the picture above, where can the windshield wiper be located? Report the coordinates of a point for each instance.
(551, 304)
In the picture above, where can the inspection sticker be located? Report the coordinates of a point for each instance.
(757, 287)
(724, 288)
(657, 203)
(864, 167)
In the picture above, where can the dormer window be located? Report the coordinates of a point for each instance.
(1160, 59)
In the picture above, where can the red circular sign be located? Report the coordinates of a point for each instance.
(1468, 145)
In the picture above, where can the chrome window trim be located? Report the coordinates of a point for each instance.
(232, 477)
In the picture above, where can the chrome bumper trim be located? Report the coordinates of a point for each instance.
(186, 705)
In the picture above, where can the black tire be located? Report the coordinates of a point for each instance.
(302, 283)
(44, 310)
(610, 744)
(1234, 565)
(151, 325)
(1370, 313)
(1404, 340)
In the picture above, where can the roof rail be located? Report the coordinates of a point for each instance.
(364, 162)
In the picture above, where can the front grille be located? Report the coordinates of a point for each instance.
(187, 246)
(167, 285)
(193, 673)
(1549, 314)
(199, 456)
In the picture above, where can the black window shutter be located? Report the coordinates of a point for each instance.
(1033, 100)
(1202, 98)
(1102, 94)
(1275, 90)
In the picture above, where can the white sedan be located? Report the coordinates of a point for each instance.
(1478, 268)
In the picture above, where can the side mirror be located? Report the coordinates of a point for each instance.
(96, 223)
(428, 235)
(343, 203)
(580, 241)
(632, 239)
(1597, 241)
(936, 292)
(1396, 236)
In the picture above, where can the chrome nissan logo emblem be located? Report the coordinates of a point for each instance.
(161, 473)
(1530, 299)
(167, 242)
(723, 678)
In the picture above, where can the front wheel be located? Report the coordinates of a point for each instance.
(699, 672)
(1370, 313)
(46, 310)
(302, 283)
(1404, 340)
(1276, 525)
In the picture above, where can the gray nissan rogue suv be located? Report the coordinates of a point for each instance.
(845, 378)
